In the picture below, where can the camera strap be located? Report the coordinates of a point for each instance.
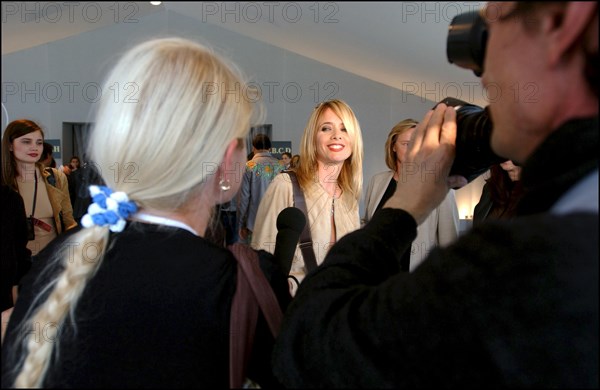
(37, 222)
(34, 192)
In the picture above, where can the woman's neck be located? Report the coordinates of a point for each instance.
(197, 219)
(328, 178)
(398, 170)
(26, 171)
(196, 213)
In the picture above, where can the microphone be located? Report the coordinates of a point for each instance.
(290, 224)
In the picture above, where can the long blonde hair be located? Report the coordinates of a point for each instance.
(351, 176)
(160, 144)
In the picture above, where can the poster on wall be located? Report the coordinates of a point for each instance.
(56, 152)
(279, 147)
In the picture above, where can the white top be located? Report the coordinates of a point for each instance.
(441, 227)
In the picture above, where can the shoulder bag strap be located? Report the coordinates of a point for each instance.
(252, 292)
(306, 243)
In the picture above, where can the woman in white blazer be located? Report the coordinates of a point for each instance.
(440, 228)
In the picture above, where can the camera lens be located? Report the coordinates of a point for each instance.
(467, 38)
(474, 153)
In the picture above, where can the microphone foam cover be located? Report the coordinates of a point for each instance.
(291, 218)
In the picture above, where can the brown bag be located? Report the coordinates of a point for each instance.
(252, 292)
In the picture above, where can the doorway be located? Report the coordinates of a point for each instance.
(75, 138)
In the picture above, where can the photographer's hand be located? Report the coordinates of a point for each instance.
(424, 181)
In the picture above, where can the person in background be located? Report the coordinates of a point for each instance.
(286, 158)
(68, 169)
(330, 177)
(295, 161)
(228, 214)
(440, 227)
(260, 171)
(74, 163)
(44, 190)
(72, 166)
(500, 194)
(57, 176)
(79, 184)
(508, 304)
(47, 159)
(138, 298)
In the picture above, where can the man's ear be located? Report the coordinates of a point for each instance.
(567, 27)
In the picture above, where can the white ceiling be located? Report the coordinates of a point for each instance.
(28, 24)
(399, 44)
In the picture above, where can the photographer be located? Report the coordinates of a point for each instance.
(511, 303)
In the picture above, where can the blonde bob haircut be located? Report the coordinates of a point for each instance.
(400, 128)
(160, 142)
(351, 176)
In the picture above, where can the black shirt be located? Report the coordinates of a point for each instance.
(391, 188)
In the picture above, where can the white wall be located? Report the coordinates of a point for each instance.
(59, 82)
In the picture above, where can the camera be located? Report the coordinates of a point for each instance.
(30, 229)
(474, 153)
(467, 37)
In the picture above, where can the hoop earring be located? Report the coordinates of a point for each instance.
(224, 184)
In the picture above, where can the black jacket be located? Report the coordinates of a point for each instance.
(155, 315)
(15, 257)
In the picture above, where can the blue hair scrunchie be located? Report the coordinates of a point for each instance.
(108, 208)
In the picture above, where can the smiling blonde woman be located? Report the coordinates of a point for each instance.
(330, 177)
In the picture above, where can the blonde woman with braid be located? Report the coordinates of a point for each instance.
(138, 298)
(330, 177)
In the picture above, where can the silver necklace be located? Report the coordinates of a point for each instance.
(333, 196)
(333, 199)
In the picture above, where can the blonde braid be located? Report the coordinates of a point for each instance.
(67, 290)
